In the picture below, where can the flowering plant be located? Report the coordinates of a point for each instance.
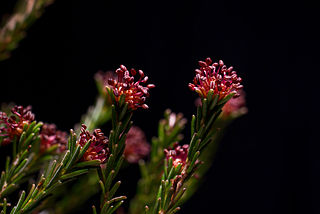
(47, 158)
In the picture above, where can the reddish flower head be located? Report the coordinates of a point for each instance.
(50, 136)
(98, 149)
(178, 154)
(135, 94)
(216, 76)
(235, 107)
(136, 145)
(11, 127)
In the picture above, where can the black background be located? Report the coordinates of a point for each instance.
(269, 160)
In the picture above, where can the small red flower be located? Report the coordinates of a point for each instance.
(11, 127)
(135, 93)
(216, 76)
(235, 107)
(98, 149)
(50, 136)
(136, 145)
(178, 154)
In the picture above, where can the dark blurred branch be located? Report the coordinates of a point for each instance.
(13, 29)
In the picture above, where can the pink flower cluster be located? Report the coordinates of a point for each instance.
(98, 149)
(135, 93)
(136, 145)
(216, 76)
(235, 107)
(50, 136)
(178, 154)
(11, 127)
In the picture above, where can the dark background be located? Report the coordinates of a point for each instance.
(269, 160)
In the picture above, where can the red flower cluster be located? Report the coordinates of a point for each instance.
(135, 94)
(11, 127)
(136, 145)
(98, 149)
(50, 136)
(178, 154)
(235, 107)
(216, 76)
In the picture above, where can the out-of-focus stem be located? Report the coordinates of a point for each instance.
(14, 29)
(97, 115)
(94, 114)
(169, 131)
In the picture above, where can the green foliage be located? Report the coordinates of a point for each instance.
(174, 181)
(121, 123)
(25, 153)
(59, 172)
(169, 132)
(98, 114)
